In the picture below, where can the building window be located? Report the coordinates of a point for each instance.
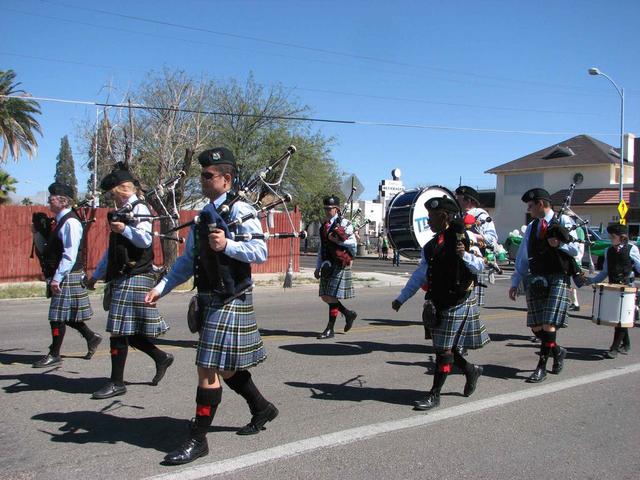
(518, 184)
(628, 174)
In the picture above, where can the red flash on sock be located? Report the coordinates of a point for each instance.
(334, 312)
(203, 410)
(446, 368)
(114, 352)
(550, 344)
(55, 332)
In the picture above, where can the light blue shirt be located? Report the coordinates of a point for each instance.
(71, 236)
(139, 232)
(252, 251)
(604, 273)
(350, 243)
(487, 229)
(419, 276)
(522, 258)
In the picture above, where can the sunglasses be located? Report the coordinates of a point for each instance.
(209, 175)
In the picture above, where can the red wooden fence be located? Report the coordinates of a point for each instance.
(16, 241)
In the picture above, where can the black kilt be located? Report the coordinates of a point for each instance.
(72, 304)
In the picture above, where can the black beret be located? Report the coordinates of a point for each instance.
(468, 192)
(57, 188)
(618, 229)
(442, 203)
(536, 194)
(217, 156)
(115, 178)
(331, 201)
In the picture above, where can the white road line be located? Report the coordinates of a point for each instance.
(368, 431)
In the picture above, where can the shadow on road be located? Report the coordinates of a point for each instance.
(176, 343)
(265, 332)
(503, 337)
(502, 307)
(323, 348)
(9, 358)
(391, 322)
(31, 382)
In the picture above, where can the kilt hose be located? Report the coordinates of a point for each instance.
(229, 337)
(548, 309)
(72, 304)
(460, 325)
(339, 284)
(128, 314)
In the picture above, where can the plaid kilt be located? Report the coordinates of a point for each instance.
(229, 338)
(550, 309)
(460, 325)
(128, 315)
(72, 304)
(338, 285)
(483, 278)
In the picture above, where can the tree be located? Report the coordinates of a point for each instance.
(65, 168)
(17, 122)
(26, 201)
(7, 185)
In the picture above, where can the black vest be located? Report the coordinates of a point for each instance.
(215, 272)
(329, 248)
(125, 258)
(619, 264)
(55, 248)
(545, 260)
(448, 278)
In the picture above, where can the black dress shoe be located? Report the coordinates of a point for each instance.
(161, 369)
(611, 353)
(259, 420)
(624, 349)
(558, 361)
(48, 361)
(328, 333)
(92, 345)
(574, 308)
(432, 400)
(191, 449)
(472, 380)
(109, 390)
(539, 375)
(349, 318)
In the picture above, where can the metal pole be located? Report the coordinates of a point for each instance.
(621, 141)
(96, 202)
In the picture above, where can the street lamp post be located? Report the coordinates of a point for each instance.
(595, 71)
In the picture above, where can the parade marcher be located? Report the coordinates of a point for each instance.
(575, 304)
(385, 248)
(450, 314)
(485, 235)
(229, 343)
(620, 259)
(127, 266)
(396, 257)
(63, 270)
(333, 265)
(544, 264)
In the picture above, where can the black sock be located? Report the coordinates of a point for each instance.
(443, 368)
(618, 336)
(333, 314)
(207, 401)
(58, 330)
(142, 343)
(538, 334)
(341, 308)
(548, 343)
(243, 385)
(626, 341)
(119, 349)
(461, 363)
(83, 329)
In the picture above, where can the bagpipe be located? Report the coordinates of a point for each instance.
(42, 226)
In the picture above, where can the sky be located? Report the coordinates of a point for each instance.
(442, 90)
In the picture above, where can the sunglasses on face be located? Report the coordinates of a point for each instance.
(209, 175)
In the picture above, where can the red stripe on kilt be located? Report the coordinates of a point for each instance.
(203, 410)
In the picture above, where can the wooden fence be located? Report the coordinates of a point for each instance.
(17, 239)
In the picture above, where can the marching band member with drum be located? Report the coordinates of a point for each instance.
(333, 265)
(230, 343)
(63, 270)
(545, 264)
(450, 311)
(620, 259)
(128, 267)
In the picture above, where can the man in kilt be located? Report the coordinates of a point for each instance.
(544, 264)
(450, 314)
(333, 264)
(127, 266)
(229, 341)
(63, 270)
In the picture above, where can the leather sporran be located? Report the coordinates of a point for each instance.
(429, 315)
(106, 298)
(326, 270)
(195, 314)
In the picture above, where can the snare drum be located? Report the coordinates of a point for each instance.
(613, 305)
(406, 219)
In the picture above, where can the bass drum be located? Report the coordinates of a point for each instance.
(406, 219)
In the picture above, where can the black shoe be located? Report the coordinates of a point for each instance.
(258, 420)
(624, 349)
(161, 368)
(92, 345)
(190, 450)
(539, 375)
(611, 353)
(472, 380)
(558, 361)
(574, 308)
(109, 390)
(48, 361)
(349, 318)
(328, 333)
(432, 400)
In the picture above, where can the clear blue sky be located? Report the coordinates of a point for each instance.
(488, 65)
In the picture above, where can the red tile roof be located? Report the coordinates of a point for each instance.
(594, 196)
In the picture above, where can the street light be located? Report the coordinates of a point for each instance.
(595, 71)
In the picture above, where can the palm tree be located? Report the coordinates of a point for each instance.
(17, 124)
(7, 184)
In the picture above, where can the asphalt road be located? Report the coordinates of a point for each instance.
(345, 404)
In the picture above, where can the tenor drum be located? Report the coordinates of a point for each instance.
(613, 305)
(406, 219)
